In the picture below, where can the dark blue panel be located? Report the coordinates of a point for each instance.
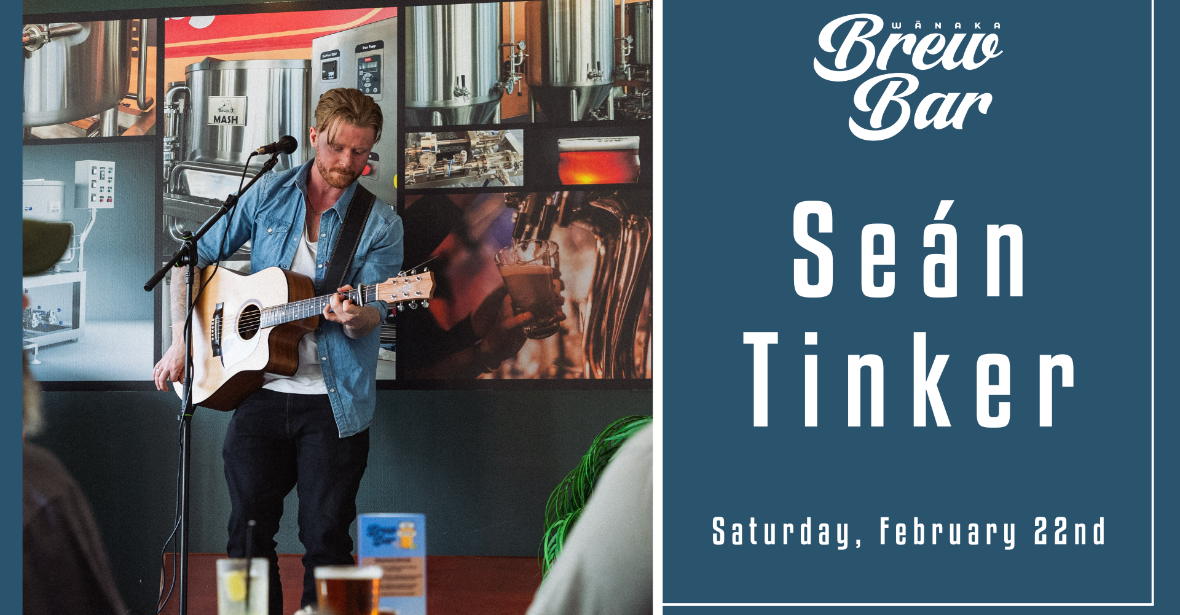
(1065, 153)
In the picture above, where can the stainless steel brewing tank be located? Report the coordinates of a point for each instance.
(79, 75)
(240, 105)
(639, 28)
(452, 64)
(571, 49)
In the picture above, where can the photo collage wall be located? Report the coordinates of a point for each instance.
(517, 149)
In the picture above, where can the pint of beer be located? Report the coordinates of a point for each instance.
(598, 160)
(348, 590)
(529, 269)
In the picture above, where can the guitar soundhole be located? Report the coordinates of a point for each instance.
(248, 322)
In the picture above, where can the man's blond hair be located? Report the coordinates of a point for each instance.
(348, 105)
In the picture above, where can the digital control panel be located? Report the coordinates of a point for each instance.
(368, 68)
(330, 65)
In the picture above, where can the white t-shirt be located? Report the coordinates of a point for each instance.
(309, 378)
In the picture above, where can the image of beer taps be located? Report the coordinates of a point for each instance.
(602, 283)
(89, 79)
(464, 159)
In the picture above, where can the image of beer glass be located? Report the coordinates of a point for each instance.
(598, 160)
(231, 586)
(348, 590)
(529, 269)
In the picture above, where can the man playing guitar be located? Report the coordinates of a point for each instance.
(310, 430)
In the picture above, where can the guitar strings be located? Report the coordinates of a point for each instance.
(287, 309)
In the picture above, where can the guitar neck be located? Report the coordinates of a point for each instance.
(298, 310)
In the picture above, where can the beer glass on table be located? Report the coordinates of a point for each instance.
(529, 269)
(598, 160)
(348, 590)
(231, 587)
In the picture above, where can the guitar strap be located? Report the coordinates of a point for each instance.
(348, 240)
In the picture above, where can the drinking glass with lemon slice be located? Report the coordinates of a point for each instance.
(232, 587)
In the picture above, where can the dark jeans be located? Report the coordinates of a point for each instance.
(277, 441)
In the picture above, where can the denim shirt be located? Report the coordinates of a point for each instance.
(271, 216)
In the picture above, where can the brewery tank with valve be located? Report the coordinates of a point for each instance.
(631, 98)
(453, 73)
(639, 26)
(74, 70)
(571, 65)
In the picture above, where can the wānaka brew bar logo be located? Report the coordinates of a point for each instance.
(948, 51)
(382, 534)
(401, 536)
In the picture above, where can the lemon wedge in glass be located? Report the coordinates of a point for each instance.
(235, 584)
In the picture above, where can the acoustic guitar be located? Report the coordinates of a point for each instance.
(245, 326)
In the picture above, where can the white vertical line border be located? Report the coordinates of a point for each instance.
(1153, 302)
(657, 301)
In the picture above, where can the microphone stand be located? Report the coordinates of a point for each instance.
(187, 256)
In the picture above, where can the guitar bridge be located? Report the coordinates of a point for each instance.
(215, 332)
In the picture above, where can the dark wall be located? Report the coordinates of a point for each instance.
(479, 464)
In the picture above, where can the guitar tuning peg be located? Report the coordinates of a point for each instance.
(413, 272)
(425, 303)
(413, 305)
(401, 274)
(401, 307)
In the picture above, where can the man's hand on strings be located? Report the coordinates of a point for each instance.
(357, 320)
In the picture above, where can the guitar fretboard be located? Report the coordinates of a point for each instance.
(297, 310)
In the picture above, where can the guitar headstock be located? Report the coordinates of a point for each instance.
(407, 289)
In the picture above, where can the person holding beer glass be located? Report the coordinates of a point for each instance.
(474, 343)
(530, 271)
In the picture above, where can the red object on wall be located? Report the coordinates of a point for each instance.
(226, 34)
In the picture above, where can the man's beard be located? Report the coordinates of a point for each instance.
(337, 177)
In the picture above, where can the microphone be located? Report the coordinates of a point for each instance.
(285, 145)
